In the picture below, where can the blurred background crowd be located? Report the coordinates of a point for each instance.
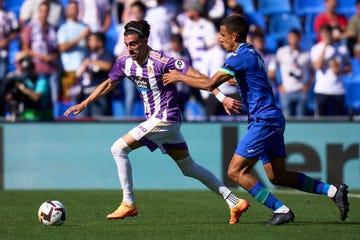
(54, 53)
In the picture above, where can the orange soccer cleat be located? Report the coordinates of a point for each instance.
(124, 210)
(235, 212)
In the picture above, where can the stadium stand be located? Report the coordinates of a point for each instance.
(306, 7)
(346, 7)
(281, 24)
(352, 96)
(256, 18)
(271, 7)
(247, 5)
(275, 17)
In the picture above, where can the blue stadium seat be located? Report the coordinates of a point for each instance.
(305, 7)
(281, 24)
(13, 5)
(307, 41)
(355, 66)
(271, 43)
(64, 2)
(14, 48)
(257, 19)
(117, 108)
(309, 25)
(247, 5)
(346, 7)
(271, 7)
(352, 90)
(311, 101)
(111, 37)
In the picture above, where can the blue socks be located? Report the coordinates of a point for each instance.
(311, 185)
(260, 193)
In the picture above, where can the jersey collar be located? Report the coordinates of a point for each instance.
(240, 45)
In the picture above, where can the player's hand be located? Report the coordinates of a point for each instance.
(75, 110)
(231, 82)
(232, 105)
(172, 77)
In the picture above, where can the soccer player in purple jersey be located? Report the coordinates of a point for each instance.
(145, 67)
(264, 139)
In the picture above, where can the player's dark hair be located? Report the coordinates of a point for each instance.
(236, 24)
(142, 28)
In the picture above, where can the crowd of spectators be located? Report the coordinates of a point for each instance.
(54, 52)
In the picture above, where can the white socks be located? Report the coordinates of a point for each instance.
(332, 191)
(120, 152)
(232, 200)
(282, 209)
(191, 169)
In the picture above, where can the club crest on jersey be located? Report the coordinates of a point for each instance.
(179, 64)
(150, 69)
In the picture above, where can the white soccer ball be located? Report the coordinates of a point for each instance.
(52, 212)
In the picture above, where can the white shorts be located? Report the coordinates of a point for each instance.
(155, 133)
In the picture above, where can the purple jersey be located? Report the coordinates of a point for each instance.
(159, 101)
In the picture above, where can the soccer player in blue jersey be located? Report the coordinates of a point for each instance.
(264, 139)
(145, 67)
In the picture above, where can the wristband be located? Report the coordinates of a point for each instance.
(220, 96)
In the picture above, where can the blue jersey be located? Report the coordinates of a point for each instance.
(247, 67)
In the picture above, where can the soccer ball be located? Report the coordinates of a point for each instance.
(52, 212)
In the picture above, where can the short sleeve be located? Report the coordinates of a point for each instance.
(117, 73)
(179, 64)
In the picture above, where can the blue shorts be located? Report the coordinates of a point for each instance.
(263, 141)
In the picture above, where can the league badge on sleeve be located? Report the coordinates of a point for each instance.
(179, 64)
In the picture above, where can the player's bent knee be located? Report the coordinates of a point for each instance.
(232, 174)
(187, 166)
(120, 147)
(276, 181)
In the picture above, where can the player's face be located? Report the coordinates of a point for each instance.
(227, 40)
(136, 46)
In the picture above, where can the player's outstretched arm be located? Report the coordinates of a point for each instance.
(195, 79)
(103, 89)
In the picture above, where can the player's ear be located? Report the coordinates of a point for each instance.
(235, 37)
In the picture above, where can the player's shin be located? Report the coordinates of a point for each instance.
(191, 169)
(311, 185)
(120, 151)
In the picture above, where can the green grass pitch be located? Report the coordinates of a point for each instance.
(173, 215)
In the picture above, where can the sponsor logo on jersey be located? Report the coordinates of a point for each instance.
(141, 83)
